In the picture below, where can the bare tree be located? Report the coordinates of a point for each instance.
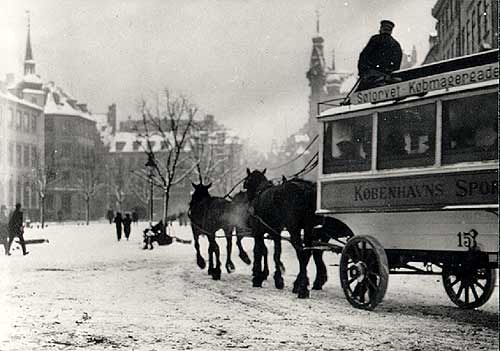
(88, 184)
(170, 118)
(43, 177)
(117, 181)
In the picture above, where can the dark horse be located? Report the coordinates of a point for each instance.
(290, 205)
(209, 214)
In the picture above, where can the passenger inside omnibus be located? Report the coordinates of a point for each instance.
(470, 129)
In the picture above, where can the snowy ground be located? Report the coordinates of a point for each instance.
(86, 290)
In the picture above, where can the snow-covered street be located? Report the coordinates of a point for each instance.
(84, 289)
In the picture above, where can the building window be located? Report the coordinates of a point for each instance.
(19, 155)
(49, 124)
(479, 37)
(486, 19)
(136, 145)
(34, 156)
(27, 191)
(468, 37)
(34, 196)
(19, 120)
(33, 123)
(120, 145)
(406, 137)
(26, 156)
(11, 153)
(26, 122)
(10, 118)
(473, 31)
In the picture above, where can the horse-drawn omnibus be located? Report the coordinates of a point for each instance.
(411, 168)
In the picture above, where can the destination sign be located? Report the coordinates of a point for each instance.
(415, 192)
(425, 84)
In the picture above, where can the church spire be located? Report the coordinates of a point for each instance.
(29, 62)
(317, 23)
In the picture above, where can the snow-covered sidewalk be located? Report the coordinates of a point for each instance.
(84, 289)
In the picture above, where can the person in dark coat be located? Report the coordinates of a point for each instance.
(118, 223)
(127, 221)
(381, 56)
(4, 229)
(16, 229)
(135, 217)
(110, 215)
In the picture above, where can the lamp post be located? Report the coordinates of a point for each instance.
(150, 165)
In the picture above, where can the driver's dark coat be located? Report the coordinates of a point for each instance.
(382, 53)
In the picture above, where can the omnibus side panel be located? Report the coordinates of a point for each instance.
(430, 191)
(428, 230)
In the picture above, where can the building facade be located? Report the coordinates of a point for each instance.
(70, 153)
(463, 27)
(22, 137)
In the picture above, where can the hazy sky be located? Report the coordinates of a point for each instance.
(243, 61)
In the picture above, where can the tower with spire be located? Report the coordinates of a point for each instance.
(31, 86)
(316, 72)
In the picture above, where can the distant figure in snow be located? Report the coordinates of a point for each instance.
(118, 223)
(127, 221)
(381, 56)
(16, 229)
(135, 217)
(4, 229)
(110, 215)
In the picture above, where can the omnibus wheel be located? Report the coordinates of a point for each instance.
(364, 272)
(469, 287)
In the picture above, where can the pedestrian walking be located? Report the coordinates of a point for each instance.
(135, 217)
(127, 221)
(381, 56)
(4, 229)
(16, 229)
(118, 223)
(110, 215)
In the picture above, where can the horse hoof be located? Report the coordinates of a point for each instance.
(216, 274)
(244, 258)
(257, 283)
(317, 286)
(265, 274)
(230, 267)
(303, 294)
(201, 262)
(279, 284)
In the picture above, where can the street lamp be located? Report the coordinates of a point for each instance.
(150, 165)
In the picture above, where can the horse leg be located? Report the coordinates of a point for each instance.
(257, 260)
(211, 239)
(321, 272)
(199, 259)
(229, 239)
(215, 272)
(278, 278)
(302, 283)
(265, 270)
(243, 255)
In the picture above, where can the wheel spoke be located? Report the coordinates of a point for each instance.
(467, 294)
(480, 285)
(454, 283)
(350, 281)
(371, 283)
(460, 289)
(474, 292)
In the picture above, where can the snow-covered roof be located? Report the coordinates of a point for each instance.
(58, 103)
(9, 96)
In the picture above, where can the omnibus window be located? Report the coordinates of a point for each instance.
(347, 145)
(470, 129)
(406, 137)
